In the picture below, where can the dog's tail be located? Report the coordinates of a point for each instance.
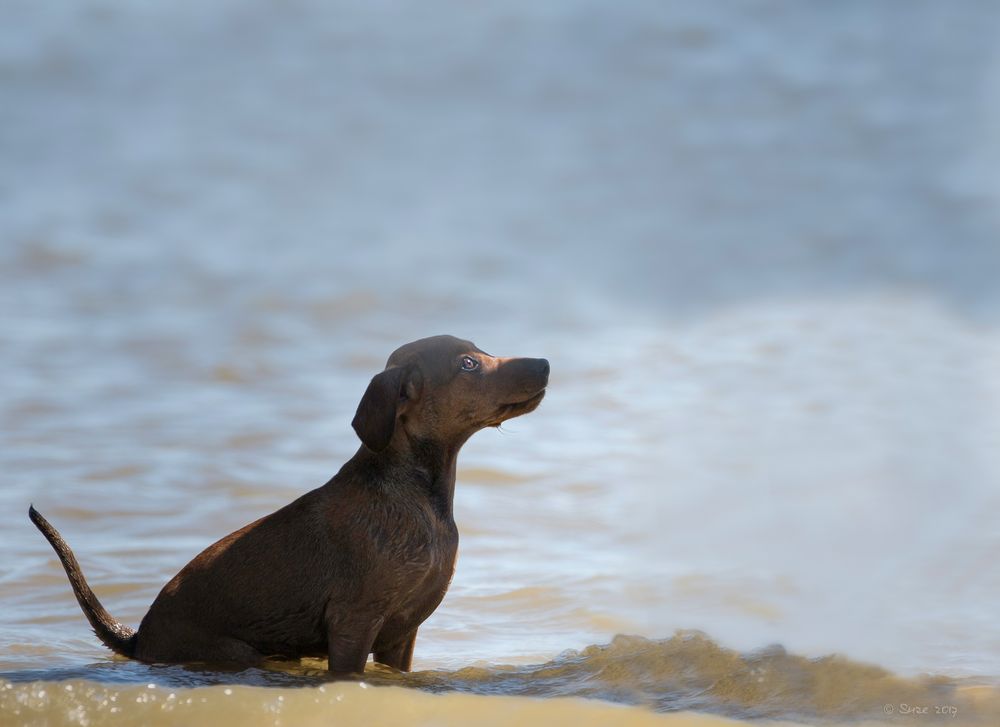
(116, 636)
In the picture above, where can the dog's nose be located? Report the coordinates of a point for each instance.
(539, 368)
(529, 371)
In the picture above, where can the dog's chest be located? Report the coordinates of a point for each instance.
(415, 544)
(415, 560)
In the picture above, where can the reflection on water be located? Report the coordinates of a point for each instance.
(757, 242)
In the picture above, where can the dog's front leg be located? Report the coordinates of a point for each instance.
(349, 642)
(398, 655)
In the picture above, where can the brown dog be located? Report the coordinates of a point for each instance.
(354, 567)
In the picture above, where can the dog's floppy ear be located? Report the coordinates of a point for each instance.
(375, 419)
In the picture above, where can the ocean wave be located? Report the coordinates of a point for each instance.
(688, 672)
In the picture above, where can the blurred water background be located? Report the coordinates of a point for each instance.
(758, 241)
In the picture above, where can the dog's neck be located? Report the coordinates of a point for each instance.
(425, 465)
(436, 466)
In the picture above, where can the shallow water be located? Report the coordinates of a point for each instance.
(687, 674)
(757, 243)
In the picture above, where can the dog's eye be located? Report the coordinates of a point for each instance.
(469, 363)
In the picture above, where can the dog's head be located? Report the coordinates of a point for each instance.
(444, 389)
